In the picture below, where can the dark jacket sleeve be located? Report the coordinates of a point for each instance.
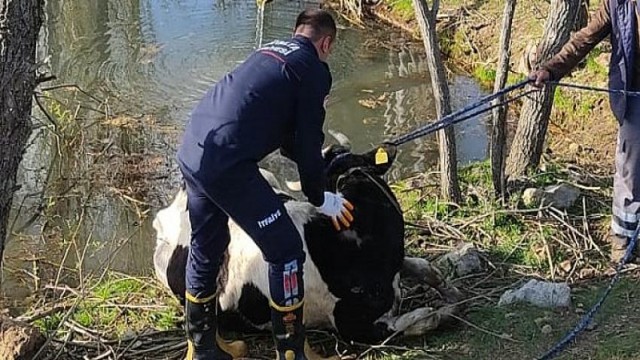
(309, 136)
(581, 43)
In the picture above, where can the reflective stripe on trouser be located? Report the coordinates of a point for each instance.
(245, 196)
(626, 181)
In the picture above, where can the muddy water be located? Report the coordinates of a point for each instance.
(92, 182)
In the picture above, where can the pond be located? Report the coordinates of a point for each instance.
(92, 182)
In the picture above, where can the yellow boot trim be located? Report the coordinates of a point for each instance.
(189, 350)
(285, 308)
(195, 300)
(289, 355)
(237, 349)
(312, 355)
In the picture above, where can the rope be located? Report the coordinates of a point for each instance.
(588, 317)
(431, 128)
(592, 88)
(451, 118)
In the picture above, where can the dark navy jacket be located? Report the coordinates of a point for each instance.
(273, 100)
(624, 39)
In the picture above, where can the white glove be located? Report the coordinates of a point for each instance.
(337, 208)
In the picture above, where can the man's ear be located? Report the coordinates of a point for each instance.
(327, 41)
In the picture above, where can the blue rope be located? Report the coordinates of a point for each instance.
(452, 118)
(592, 88)
(588, 317)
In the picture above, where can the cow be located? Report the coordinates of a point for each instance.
(352, 277)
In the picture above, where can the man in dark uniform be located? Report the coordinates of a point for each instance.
(619, 20)
(274, 100)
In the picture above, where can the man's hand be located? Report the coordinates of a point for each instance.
(338, 209)
(539, 77)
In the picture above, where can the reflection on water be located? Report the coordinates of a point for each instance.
(98, 177)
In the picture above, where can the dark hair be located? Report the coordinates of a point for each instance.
(319, 21)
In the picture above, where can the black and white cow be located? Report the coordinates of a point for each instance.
(352, 277)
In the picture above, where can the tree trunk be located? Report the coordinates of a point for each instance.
(20, 22)
(528, 142)
(446, 138)
(498, 134)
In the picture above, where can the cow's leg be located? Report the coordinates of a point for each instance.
(417, 322)
(422, 270)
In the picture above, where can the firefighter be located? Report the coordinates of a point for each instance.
(274, 100)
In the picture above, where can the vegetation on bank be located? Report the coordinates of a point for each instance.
(136, 316)
(468, 35)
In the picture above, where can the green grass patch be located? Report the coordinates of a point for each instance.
(119, 304)
(402, 9)
(485, 74)
(614, 337)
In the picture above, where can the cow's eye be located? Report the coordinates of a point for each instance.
(356, 290)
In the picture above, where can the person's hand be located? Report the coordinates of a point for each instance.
(338, 209)
(539, 77)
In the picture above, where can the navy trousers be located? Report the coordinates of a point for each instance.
(243, 195)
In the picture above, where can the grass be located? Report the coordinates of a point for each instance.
(118, 305)
(402, 8)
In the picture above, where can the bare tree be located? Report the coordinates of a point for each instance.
(498, 133)
(446, 138)
(528, 142)
(20, 22)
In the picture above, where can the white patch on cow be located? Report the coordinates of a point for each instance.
(294, 185)
(172, 229)
(271, 179)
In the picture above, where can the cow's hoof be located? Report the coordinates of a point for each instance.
(312, 355)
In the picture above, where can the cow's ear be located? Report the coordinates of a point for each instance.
(330, 152)
(381, 158)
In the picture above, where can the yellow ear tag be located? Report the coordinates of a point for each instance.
(381, 157)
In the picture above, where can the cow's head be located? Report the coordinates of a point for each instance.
(340, 163)
(360, 264)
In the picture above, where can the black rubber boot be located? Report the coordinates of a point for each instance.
(288, 331)
(203, 340)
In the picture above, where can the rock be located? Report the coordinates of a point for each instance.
(539, 293)
(547, 329)
(561, 196)
(18, 340)
(462, 261)
(566, 266)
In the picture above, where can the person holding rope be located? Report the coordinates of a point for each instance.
(273, 100)
(619, 19)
